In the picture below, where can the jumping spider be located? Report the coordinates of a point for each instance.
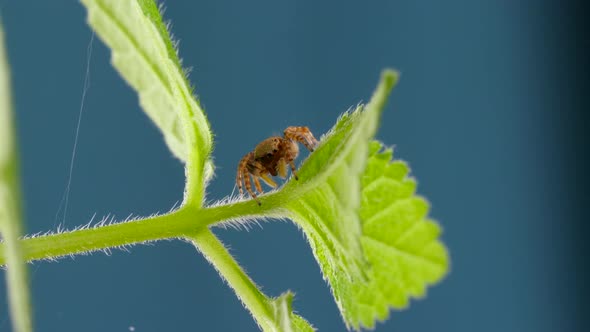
(271, 156)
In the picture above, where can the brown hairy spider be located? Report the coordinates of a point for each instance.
(271, 156)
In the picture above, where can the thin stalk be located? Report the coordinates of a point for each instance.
(108, 236)
(185, 220)
(254, 300)
(12, 256)
(10, 209)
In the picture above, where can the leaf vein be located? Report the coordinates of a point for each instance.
(378, 182)
(406, 254)
(388, 210)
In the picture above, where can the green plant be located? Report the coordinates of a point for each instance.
(368, 230)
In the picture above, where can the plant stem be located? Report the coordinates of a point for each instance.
(185, 220)
(254, 300)
(16, 277)
(83, 240)
(10, 208)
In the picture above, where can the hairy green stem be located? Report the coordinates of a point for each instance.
(195, 163)
(183, 221)
(84, 240)
(254, 300)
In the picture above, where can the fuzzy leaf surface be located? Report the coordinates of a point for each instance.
(328, 212)
(144, 54)
(10, 216)
(399, 241)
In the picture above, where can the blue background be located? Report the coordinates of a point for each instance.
(483, 114)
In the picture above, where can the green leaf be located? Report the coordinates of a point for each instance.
(367, 229)
(286, 320)
(144, 54)
(328, 211)
(399, 240)
(10, 219)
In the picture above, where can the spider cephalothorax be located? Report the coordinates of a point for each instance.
(272, 156)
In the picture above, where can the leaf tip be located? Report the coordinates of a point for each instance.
(390, 77)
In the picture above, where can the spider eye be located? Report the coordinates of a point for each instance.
(269, 154)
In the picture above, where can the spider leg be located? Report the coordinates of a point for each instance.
(302, 135)
(257, 184)
(240, 175)
(242, 172)
(249, 188)
(239, 178)
(243, 175)
(292, 164)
